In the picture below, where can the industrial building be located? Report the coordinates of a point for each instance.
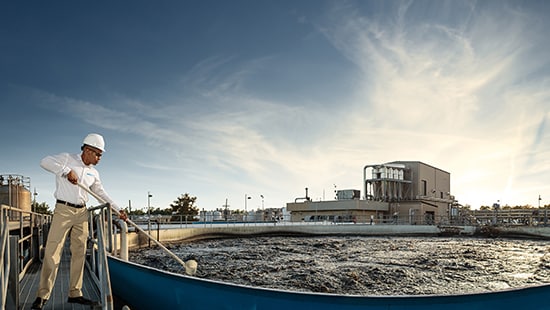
(404, 192)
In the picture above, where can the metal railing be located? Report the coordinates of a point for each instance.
(313, 220)
(99, 221)
(104, 237)
(512, 217)
(23, 238)
(4, 259)
(21, 244)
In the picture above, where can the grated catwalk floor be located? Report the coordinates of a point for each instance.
(58, 299)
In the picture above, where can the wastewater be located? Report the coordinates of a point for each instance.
(364, 265)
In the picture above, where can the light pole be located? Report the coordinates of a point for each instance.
(226, 211)
(496, 206)
(263, 212)
(129, 207)
(246, 197)
(149, 215)
(545, 213)
(36, 194)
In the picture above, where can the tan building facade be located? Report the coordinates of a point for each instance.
(405, 192)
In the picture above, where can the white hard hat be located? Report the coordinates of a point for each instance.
(95, 140)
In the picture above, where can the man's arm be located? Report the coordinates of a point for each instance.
(56, 164)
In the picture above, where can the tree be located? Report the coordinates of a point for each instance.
(185, 205)
(159, 211)
(137, 212)
(465, 207)
(41, 208)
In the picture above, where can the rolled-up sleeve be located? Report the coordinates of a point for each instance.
(56, 164)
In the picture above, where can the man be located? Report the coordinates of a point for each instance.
(71, 215)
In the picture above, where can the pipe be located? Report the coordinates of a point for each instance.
(123, 238)
(305, 198)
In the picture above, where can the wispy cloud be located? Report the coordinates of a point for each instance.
(449, 95)
(459, 85)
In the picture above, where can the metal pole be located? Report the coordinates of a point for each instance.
(263, 211)
(246, 197)
(225, 213)
(34, 201)
(149, 215)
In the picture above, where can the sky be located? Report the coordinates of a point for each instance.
(231, 99)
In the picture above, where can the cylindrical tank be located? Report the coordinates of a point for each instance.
(14, 192)
(383, 172)
(205, 216)
(374, 173)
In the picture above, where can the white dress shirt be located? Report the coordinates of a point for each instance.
(88, 176)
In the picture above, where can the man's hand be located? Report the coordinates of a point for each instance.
(72, 177)
(122, 215)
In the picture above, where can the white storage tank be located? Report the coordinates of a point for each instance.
(218, 216)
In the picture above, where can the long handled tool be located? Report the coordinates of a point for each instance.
(101, 200)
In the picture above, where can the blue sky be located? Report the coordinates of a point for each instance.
(222, 99)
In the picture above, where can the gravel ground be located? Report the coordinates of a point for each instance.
(364, 265)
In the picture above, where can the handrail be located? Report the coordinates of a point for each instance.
(4, 258)
(26, 248)
(97, 260)
(17, 254)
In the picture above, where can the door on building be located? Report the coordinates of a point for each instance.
(430, 217)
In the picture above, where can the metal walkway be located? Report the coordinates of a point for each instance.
(22, 240)
(58, 298)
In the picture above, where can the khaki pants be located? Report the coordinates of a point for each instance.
(65, 219)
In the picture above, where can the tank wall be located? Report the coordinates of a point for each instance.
(15, 196)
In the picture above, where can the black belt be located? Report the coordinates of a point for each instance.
(70, 204)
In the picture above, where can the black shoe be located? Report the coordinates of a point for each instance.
(83, 301)
(38, 303)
